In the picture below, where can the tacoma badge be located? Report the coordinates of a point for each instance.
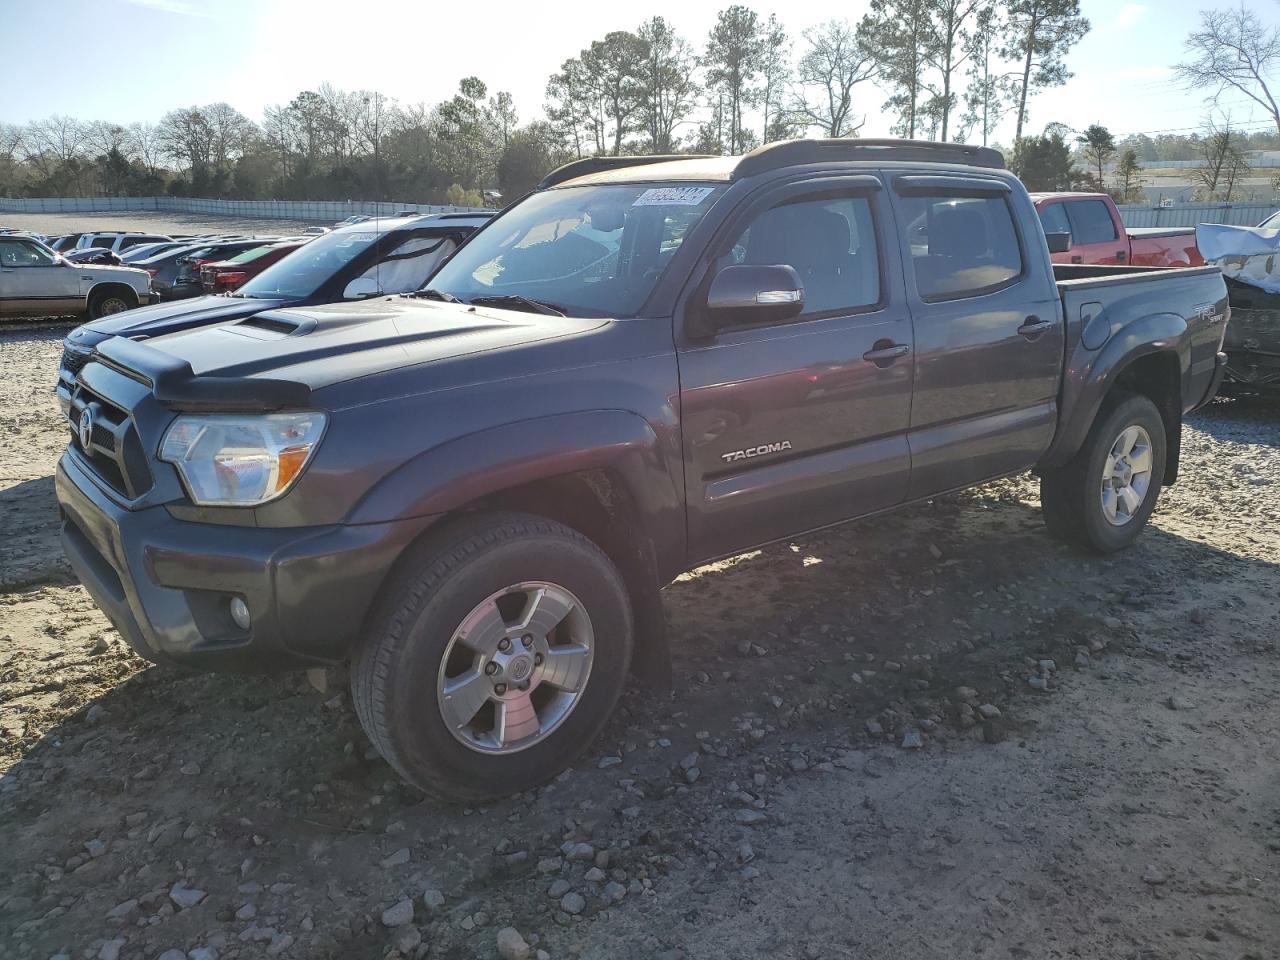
(759, 451)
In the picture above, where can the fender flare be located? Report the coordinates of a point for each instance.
(1094, 376)
(464, 469)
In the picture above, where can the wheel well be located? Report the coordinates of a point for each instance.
(593, 502)
(112, 286)
(598, 505)
(1158, 376)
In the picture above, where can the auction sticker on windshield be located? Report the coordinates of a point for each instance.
(673, 196)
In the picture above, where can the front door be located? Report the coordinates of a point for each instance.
(989, 336)
(801, 424)
(33, 283)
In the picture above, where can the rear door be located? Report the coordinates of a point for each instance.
(801, 424)
(1095, 238)
(988, 326)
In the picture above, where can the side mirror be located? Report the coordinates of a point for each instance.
(744, 295)
(1058, 242)
(361, 288)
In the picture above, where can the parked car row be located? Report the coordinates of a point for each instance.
(395, 255)
(146, 269)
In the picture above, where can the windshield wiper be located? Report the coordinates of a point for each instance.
(516, 302)
(431, 293)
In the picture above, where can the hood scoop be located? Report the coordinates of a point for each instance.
(273, 326)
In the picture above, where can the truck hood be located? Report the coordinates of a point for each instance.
(325, 345)
(145, 322)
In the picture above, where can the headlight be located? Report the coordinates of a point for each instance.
(241, 461)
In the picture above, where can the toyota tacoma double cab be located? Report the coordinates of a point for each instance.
(473, 494)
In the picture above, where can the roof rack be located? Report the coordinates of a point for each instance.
(787, 153)
(580, 168)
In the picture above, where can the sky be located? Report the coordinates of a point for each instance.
(155, 55)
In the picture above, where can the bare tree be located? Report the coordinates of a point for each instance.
(1222, 160)
(146, 146)
(1233, 50)
(11, 140)
(55, 148)
(833, 64)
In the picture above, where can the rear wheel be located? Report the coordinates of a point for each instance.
(1102, 498)
(494, 658)
(106, 302)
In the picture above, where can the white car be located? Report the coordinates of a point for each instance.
(118, 241)
(36, 282)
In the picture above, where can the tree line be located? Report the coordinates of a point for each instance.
(939, 69)
(944, 69)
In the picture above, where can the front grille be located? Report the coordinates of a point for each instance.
(73, 361)
(114, 451)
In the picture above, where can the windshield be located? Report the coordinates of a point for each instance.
(586, 251)
(303, 272)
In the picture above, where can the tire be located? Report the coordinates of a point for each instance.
(1073, 497)
(106, 302)
(412, 653)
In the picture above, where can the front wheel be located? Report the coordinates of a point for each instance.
(495, 657)
(107, 302)
(1102, 498)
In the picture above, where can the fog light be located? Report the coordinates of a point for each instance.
(240, 612)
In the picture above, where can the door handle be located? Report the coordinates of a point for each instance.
(885, 352)
(1077, 259)
(1121, 256)
(1033, 326)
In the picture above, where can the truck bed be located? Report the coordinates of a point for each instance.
(1108, 307)
(1094, 274)
(1155, 233)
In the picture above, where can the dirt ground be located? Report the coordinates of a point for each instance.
(147, 221)
(938, 734)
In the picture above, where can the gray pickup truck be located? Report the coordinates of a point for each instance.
(474, 494)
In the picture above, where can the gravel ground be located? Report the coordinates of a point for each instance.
(147, 221)
(937, 734)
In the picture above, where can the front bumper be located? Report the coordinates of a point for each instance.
(166, 584)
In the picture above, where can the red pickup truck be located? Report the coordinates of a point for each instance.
(1096, 234)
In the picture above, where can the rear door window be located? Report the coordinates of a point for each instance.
(961, 246)
(1090, 221)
